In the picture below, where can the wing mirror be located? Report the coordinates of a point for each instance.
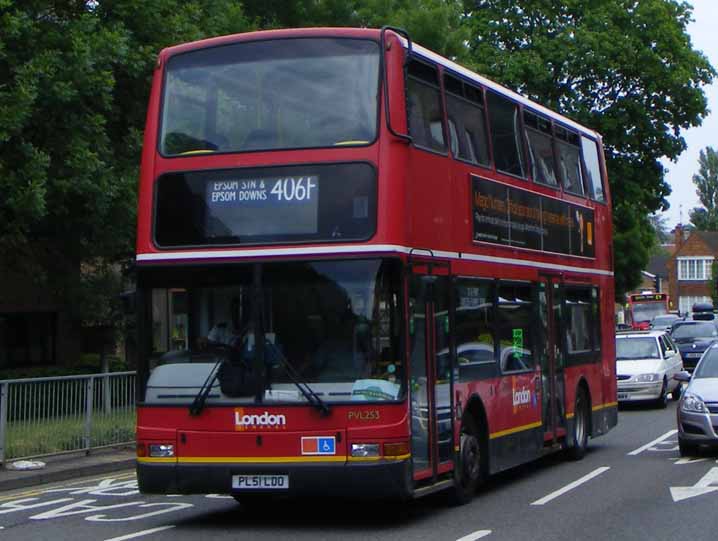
(682, 376)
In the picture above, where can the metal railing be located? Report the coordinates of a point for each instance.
(51, 416)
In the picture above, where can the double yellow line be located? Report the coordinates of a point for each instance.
(41, 491)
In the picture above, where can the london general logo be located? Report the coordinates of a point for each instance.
(263, 421)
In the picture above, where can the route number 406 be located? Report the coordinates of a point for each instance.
(294, 189)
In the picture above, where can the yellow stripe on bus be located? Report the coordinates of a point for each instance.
(515, 430)
(595, 408)
(603, 406)
(263, 459)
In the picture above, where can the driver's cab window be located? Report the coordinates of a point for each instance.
(169, 320)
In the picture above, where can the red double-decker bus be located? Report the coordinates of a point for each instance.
(363, 270)
(643, 307)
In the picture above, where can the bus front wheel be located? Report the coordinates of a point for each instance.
(468, 469)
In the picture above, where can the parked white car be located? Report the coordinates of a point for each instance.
(646, 362)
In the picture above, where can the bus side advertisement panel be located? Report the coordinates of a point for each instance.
(511, 216)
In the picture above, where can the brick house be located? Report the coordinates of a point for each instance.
(690, 268)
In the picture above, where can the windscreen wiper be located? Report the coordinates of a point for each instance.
(200, 400)
(304, 388)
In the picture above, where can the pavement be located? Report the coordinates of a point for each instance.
(69, 466)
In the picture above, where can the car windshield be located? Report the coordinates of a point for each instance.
(632, 349)
(262, 95)
(708, 367)
(646, 311)
(694, 330)
(336, 323)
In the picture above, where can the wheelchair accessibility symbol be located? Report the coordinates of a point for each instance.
(319, 445)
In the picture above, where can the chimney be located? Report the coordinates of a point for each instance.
(678, 236)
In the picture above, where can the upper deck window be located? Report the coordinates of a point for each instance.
(274, 94)
(569, 160)
(505, 130)
(593, 169)
(467, 125)
(543, 163)
(424, 107)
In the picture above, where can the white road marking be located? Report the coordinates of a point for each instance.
(475, 535)
(687, 460)
(571, 486)
(654, 442)
(708, 483)
(140, 534)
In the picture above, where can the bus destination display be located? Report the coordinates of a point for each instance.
(511, 216)
(286, 205)
(643, 297)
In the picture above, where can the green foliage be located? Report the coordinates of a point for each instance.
(50, 436)
(436, 24)
(74, 84)
(88, 363)
(660, 228)
(705, 218)
(713, 283)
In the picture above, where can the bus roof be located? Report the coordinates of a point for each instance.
(488, 83)
(373, 33)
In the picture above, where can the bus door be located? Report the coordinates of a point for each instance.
(551, 357)
(431, 374)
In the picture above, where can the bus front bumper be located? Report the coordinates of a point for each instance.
(380, 479)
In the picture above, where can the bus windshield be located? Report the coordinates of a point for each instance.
(646, 311)
(336, 323)
(274, 94)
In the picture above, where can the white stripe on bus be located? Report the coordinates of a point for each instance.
(366, 248)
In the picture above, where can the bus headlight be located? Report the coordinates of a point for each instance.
(365, 450)
(161, 450)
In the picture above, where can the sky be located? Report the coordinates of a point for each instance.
(704, 37)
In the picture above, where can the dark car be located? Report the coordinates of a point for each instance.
(692, 339)
(698, 407)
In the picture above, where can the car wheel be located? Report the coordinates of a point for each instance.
(687, 449)
(469, 468)
(677, 391)
(662, 400)
(577, 449)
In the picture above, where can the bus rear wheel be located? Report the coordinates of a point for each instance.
(469, 469)
(577, 448)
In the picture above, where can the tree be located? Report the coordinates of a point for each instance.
(705, 218)
(624, 68)
(437, 24)
(74, 83)
(660, 228)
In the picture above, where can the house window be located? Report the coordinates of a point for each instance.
(695, 268)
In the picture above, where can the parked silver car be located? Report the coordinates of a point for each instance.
(646, 362)
(698, 406)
